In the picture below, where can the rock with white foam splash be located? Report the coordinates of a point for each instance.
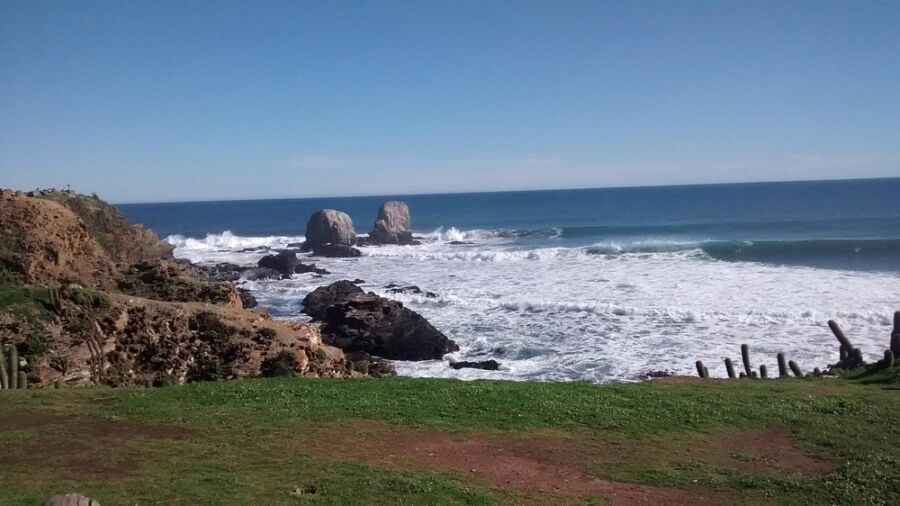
(392, 225)
(330, 233)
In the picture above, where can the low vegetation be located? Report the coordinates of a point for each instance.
(285, 440)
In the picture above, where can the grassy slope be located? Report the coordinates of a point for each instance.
(246, 424)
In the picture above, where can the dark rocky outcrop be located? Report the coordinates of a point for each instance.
(224, 271)
(412, 289)
(487, 365)
(317, 303)
(176, 281)
(354, 320)
(248, 301)
(287, 263)
(335, 251)
(330, 233)
(392, 225)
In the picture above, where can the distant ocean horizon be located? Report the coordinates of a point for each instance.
(597, 284)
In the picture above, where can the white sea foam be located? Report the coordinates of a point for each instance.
(565, 314)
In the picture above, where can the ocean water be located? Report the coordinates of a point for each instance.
(599, 285)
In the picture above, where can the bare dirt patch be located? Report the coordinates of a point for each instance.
(759, 452)
(74, 448)
(541, 463)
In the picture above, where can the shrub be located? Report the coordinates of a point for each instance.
(282, 364)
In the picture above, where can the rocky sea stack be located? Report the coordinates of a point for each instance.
(88, 298)
(393, 224)
(330, 233)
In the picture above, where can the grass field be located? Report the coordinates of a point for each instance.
(411, 441)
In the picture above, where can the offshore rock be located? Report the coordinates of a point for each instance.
(357, 321)
(392, 225)
(329, 232)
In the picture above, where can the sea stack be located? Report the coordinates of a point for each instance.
(330, 233)
(392, 225)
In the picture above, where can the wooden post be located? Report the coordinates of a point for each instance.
(701, 369)
(839, 334)
(782, 366)
(763, 372)
(23, 380)
(888, 359)
(895, 335)
(730, 368)
(795, 369)
(745, 356)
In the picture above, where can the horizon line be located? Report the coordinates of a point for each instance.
(524, 190)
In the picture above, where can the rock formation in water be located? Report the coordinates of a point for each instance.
(330, 233)
(354, 320)
(392, 225)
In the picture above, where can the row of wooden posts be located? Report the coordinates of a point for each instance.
(850, 357)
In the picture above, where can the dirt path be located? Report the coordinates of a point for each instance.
(554, 463)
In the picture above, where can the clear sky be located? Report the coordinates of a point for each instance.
(192, 100)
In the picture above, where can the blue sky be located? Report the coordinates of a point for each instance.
(190, 100)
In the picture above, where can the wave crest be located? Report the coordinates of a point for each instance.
(229, 241)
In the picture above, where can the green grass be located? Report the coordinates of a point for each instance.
(245, 426)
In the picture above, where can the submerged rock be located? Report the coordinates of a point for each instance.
(330, 233)
(412, 289)
(392, 225)
(287, 263)
(487, 365)
(357, 321)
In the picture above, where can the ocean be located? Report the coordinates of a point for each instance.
(599, 285)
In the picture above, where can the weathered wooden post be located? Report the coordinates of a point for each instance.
(22, 380)
(795, 369)
(856, 355)
(895, 335)
(839, 334)
(58, 383)
(701, 369)
(763, 372)
(729, 367)
(745, 356)
(782, 366)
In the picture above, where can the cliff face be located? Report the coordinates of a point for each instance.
(88, 298)
(42, 242)
(123, 242)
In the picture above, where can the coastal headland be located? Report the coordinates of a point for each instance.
(150, 379)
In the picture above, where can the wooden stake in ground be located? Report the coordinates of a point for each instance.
(895, 335)
(839, 334)
(745, 356)
(782, 366)
(701, 370)
(729, 367)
